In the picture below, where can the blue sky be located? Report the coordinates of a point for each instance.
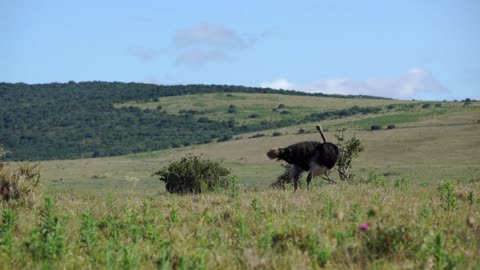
(400, 49)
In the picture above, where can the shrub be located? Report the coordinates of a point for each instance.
(375, 127)
(194, 175)
(232, 109)
(276, 133)
(20, 186)
(258, 135)
(225, 138)
(204, 120)
(426, 105)
(349, 150)
(392, 126)
(255, 115)
(283, 178)
(231, 123)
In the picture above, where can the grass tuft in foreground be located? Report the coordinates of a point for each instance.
(392, 224)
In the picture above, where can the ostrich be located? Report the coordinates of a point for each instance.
(314, 157)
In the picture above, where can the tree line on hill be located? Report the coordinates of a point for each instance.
(79, 120)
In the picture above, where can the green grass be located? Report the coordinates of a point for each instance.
(418, 191)
(383, 121)
(409, 226)
(401, 116)
(431, 149)
(215, 106)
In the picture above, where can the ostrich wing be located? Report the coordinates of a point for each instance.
(300, 154)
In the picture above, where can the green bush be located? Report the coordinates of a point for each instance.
(225, 138)
(232, 109)
(349, 150)
(194, 175)
(376, 127)
(284, 178)
(258, 135)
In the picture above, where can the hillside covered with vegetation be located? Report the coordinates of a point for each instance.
(90, 119)
(413, 202)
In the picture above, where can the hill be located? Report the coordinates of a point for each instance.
(97, 119)
(415, 203)
(425, 147)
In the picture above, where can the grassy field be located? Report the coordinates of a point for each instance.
(429, 148)
(264, 106)
(416, 204)
(375, 225)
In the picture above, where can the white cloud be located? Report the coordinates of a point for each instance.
(206, 42)
(213, 35)
(278, 84)
(405, 86)
(199, 57)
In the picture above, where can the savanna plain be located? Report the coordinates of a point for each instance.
(413, 203)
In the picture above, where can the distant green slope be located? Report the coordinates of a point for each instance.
(251, 108)
(94, 119)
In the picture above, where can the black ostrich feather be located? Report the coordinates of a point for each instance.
(303, 154)
(315, 157)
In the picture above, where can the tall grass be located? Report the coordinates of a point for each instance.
(20, 186)
(393, 224)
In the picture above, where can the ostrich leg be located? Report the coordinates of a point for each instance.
(309, 178)
(295, 175)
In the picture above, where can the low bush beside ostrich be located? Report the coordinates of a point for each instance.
(316, 158)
